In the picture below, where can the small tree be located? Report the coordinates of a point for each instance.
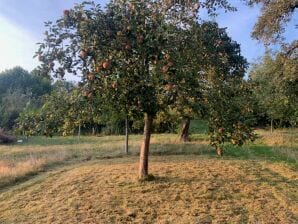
(230, 112)
(211, 55)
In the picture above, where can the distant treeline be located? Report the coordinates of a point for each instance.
(34, 105)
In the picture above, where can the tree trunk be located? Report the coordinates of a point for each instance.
(143, 170)
(79, 132)
(271, 125)
(126, 136)
(93, 130)
(219, 151)
(184, 136)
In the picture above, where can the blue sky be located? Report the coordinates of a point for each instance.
(22, 26)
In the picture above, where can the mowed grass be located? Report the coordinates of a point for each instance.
(90, 180)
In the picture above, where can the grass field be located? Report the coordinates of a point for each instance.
(90, 180)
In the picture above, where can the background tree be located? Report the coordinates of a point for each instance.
(275, 88)
(212, 56)
(274, 77)
(230, 112)
(273, 19)
(63, 112)
(19, 89)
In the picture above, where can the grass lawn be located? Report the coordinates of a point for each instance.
(90, 180)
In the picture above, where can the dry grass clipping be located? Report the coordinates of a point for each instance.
(186, 190)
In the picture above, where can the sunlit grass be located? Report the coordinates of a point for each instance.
(91, 180)
(18, 162)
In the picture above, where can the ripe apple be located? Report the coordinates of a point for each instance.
(114, 85)
(170, 64)
(51, 64)
(220, 130)
(85, 93)
(97, 68)
(127, 46)
(66, 12)
(106, 64)
(167, 56)
(164, 69)
(83, 54)
(169, 87)
(140, 39)
(40, 58)
(196, 6)
(90, 76)
(234, 141)
(131, 6)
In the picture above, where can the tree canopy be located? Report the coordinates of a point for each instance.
(275, 84)
(142, 56)
(274, 17)
(18, 89)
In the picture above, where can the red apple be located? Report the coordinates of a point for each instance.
(164, 69)
(127, 46)
(170, 64)
(167, 56)
(234, 141)
(85, 93)
(90, 76)
(169, 87)
(83, 54)
(106, 64)
(51, 64)
(40, 57)
(114, 85)
(97, 68)
(140, 39)
(66, 12)
(220, 130)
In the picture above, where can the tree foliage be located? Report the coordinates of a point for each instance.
(230, 108)
(274, 16)
(275, 88)
(19, 88)
(63, 112)
(141, 57)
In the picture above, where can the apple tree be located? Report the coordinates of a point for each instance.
(123, 51)
(209, 55)
(226, 95)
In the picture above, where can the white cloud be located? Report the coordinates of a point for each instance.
(17, 46)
